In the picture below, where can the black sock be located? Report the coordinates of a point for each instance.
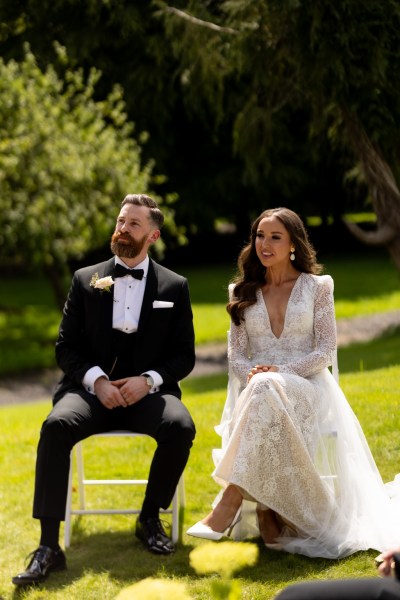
(50, 533)
(149, 510)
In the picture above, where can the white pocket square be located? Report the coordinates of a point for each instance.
(162, 304)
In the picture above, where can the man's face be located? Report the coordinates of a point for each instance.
(134, 231)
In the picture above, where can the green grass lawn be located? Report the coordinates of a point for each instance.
(380, 352)
(104, 556)
(29, 319)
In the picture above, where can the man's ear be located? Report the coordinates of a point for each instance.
(153, 237)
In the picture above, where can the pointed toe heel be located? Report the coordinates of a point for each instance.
(205, 532)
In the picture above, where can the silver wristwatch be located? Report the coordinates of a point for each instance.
(149, 380)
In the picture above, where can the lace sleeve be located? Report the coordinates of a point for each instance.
(238, 349)
(238, 355)
(324, 333)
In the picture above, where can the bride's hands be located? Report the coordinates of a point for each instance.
(261, 369)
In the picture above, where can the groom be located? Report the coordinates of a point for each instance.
(126, 339)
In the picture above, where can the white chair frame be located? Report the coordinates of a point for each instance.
(178, 500)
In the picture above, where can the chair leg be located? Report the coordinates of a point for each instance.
(68, 508)
(81, 475)
(181, 491)
(178, 501)
(175, 517)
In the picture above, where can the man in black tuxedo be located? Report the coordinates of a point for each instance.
(126, 339)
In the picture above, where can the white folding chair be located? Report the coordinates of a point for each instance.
(177, 502)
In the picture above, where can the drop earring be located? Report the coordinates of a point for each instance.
(292, 256)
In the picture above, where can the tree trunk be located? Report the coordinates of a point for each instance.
(385, 195)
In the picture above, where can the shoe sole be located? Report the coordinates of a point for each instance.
(21, 582)
(155, 550)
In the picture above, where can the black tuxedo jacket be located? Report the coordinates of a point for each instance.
(164, 339)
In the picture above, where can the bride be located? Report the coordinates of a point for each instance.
(295, 466)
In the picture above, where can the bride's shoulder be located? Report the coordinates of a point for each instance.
(319, 281)
(231, 288)
(231, 292)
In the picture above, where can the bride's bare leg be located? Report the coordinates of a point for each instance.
(268, 525)
(224, 513)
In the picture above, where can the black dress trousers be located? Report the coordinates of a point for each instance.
(78, 415)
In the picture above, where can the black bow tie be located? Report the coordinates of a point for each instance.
(120, 271)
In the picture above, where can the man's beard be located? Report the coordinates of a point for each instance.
(124, 250)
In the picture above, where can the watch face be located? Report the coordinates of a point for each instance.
(150, 381)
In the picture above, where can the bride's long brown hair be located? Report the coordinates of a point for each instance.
(251, 273)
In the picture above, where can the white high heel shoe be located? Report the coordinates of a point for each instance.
(205, 532)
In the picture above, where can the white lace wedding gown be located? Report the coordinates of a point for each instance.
(291, 441)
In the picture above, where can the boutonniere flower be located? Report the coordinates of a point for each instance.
(103, 283)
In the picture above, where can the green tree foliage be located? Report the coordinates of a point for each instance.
(190, 133)
(66, 162)
(248, 104)
(332, 59)
(125, 41)
(338, 62)
(189, 115)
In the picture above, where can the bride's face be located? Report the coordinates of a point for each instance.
(273, 244)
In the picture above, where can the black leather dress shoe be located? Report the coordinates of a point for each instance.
(44, 559)
(152, 534)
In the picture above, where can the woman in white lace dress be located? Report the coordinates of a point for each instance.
(294, 465)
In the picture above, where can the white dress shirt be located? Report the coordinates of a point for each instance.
(128, 300)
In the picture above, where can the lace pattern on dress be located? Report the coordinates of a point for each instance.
(308, 340)
(290, 440)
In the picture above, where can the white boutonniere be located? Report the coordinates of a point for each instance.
(104, 283)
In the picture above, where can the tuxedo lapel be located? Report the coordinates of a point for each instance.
(108, 267)
(150, 293)
(106, 307)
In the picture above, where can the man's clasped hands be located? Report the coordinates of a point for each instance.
(121, 392)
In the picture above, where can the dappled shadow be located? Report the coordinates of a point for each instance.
(277, 568)
(380, 352)
(120, 555)
(110, 553)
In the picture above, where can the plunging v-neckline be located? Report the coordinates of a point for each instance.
(278, 337)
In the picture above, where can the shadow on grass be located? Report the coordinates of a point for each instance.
(278, 568)
(379, 353)
(124, 559)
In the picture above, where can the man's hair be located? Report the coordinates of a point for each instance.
(142, 200)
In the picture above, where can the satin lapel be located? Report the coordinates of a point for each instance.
(150, 293)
